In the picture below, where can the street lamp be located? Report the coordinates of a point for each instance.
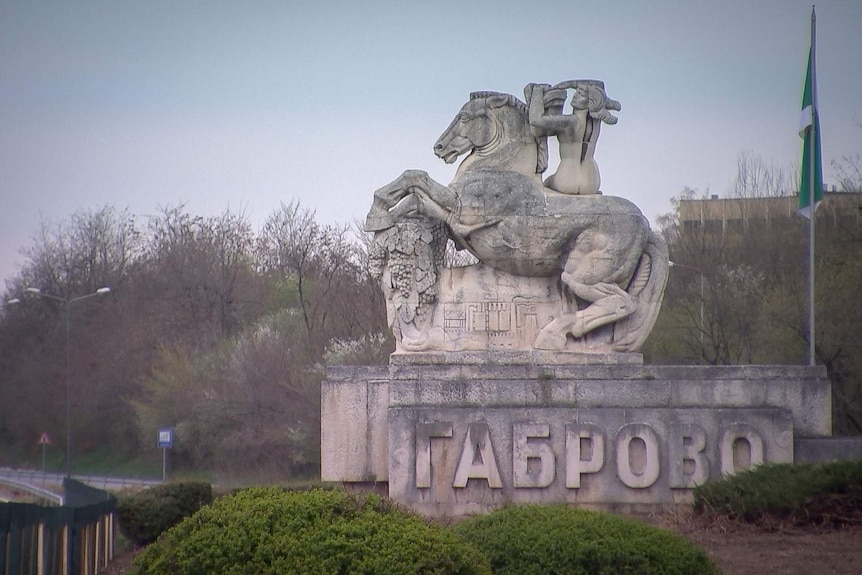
(67, 302)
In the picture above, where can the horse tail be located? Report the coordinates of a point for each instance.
(647, 289)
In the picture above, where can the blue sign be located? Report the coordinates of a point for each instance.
(166, 437)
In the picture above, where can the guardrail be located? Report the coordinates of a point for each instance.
(76, 539)
(38, 492)
(108, 483)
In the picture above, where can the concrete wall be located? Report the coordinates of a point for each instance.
(354, 436)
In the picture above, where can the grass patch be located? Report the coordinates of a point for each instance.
(107, 462)
(783, 493)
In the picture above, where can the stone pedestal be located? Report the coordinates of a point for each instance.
(481, 308)
(455, 432)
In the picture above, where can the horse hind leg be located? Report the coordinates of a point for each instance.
(589, 273)
(647, 287)
(614, 305)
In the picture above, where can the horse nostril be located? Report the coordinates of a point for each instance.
(438, 147)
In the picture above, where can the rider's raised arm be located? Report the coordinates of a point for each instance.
(539, 104)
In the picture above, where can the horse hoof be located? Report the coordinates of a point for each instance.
(414, 343)
(550, 341)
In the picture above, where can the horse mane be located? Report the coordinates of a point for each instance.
(513, 101)
(510, 99)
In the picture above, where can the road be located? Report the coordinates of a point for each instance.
(54, 481)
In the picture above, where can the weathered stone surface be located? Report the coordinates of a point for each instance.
(354, 425)
(515, 357)
(453, 461)
(513, 403)
(825, 449)
(803, 391)
(562, 267)
(517, 379)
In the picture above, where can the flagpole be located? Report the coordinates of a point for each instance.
(811, 189)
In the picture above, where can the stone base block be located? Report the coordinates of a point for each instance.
(825, 449)
(354, 440)
(515, 357)
(467, 436)
(804, 391)
(456, 461)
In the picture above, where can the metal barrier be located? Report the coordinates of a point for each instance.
(76, 539)
(34, 477)
(48, 496)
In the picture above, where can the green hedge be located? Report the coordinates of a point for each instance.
(812, 493)
(539, 540)
(276, 531)
(145, 515)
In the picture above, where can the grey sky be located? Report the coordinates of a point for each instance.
(244, 105)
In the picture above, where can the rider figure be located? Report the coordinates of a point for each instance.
(576, 133)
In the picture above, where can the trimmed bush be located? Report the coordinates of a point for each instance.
(276, 531)
(147, 514)
(538, 540)
(801, 494)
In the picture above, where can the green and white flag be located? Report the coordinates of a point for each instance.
(811, 181)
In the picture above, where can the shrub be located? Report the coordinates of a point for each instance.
(272, 530)
(145, 515)
(813, 493)
(537, 540)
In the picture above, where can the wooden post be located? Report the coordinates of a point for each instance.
(97, 549)
(40, 544)
(65, 566)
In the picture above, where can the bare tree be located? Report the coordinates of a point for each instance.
(756, 178)
(90, 250)
(739, 292)
(849, 172)
(208, 328)
(321, 274)
(198, 274)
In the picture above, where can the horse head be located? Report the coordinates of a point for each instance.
(487, 124)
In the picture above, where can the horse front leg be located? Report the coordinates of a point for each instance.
(397, 199)
(440, 202)
(380, 216)
(435, 199)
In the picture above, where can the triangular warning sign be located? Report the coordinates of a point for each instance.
(44, 439)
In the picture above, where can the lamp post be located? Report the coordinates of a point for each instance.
(67, 302)
(700, 271)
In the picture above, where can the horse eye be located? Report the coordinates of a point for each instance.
(465, 118)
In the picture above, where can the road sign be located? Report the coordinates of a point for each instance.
(44, 439)
(166, 437)
(166, 440)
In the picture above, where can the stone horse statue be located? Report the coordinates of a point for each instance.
(611, 267)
